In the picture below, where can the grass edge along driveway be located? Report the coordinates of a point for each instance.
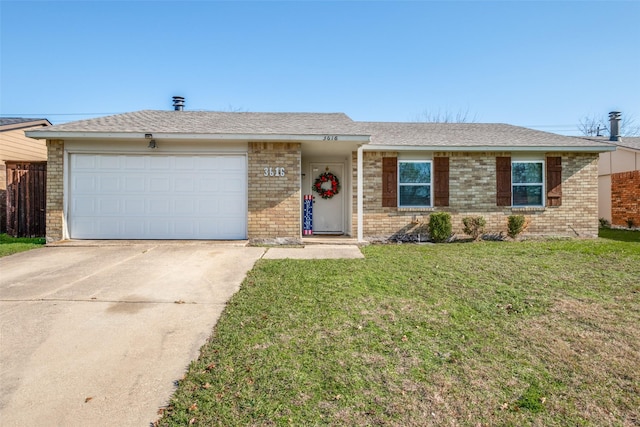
(12, 245)
(526, 333)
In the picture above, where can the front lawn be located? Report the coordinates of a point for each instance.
(491, 333)
(619, 234)
(11, 245)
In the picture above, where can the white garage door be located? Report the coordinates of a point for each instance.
(157, 197)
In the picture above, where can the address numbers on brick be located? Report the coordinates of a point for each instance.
(273, 171)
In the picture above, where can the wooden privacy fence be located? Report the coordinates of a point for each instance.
(26, 198)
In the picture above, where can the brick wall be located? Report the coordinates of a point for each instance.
(55, 197)
(274, 201)
(472, 188)
(625, 198)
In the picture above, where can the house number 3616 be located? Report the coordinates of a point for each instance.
(273, 171)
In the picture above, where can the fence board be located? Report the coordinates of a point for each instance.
(26, 198)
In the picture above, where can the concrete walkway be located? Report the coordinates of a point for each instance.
(315, 252)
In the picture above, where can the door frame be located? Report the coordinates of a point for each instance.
(332, 165)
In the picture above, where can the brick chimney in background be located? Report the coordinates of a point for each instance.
(614, 125)
(178, 103)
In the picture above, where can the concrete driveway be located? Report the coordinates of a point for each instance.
(95, 336)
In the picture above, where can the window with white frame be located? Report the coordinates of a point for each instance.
(527, 183)
(414, 183)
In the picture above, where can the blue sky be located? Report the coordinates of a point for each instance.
(541, 64)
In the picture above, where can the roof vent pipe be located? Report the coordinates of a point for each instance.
(614, 120)
(178, 103)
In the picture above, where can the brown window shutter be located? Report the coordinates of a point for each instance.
(441, 181)
(554, 181)
(503, 181)
(389, 182)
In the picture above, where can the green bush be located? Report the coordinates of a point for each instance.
(604, 223)
(515, 225)
(474, 226)
(440, 226)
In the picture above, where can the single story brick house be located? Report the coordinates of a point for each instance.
(217, 175)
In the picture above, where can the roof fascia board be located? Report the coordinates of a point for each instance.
(485, 148)
(191, 136)
(23, 125)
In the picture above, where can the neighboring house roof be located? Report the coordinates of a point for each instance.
(9, 123)
(629, 142)
(417, 136)
(632, 142)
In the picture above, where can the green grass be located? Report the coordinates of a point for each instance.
(11, 245)
(489, 333)
(619, 234)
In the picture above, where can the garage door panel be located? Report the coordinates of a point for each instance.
(231, 227)
(109, 207)
(84, 206)
(232, 164)
(159, 227)
(185, 164)
(134, 207)
(84, 162)
(231, 185)
(133, 226)
(185, 228)
(231, 207)
(87, 185)
(185, 184)
(108, 184)
(133, 162)
(184, 207)
(107, 163)
(107, 226)
(159, 162)
(209, 185)
(208, 163)
(158, 207)
(209, 207)
(157, 197)
(158, 184)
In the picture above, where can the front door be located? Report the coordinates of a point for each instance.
(328, 214)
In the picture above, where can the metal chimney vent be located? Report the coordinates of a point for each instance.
(614, 121)
(178, 103)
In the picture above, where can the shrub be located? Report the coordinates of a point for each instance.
(515, 225)
(474, 226)
(440, 226)
(630, 223)
(604, 223)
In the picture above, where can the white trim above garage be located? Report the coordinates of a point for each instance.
(157, 196)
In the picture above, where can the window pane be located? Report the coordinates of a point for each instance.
(415, 195)
(527, 173)
(530, 195)
(415, 172)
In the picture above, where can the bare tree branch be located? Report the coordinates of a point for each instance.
(592, 125)
(461, 116)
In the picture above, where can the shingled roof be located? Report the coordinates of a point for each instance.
(211, 122)
(466, 135)
(485, 136)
